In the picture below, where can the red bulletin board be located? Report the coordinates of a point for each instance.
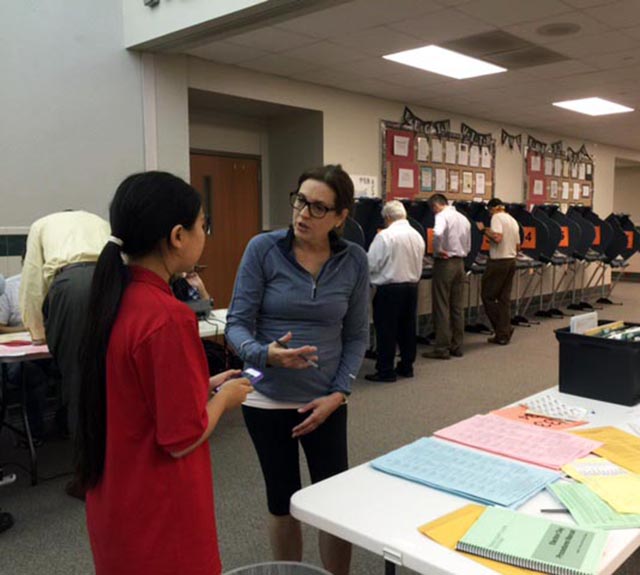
(390, 141)
(395, 190)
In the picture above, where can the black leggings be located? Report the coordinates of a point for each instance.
(325, 449)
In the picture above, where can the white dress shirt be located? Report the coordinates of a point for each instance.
(9, 308)
(395, 255)
(451, 234)
(505, 224)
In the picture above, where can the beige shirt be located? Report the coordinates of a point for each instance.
(56, 241)
(503, 223)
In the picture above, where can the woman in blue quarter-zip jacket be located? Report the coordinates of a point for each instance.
(299, 314)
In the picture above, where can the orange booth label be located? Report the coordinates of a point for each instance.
(485, 244)
(564, 241)
(629, 240)
(597, 239)
(430, 232)
(529, 241)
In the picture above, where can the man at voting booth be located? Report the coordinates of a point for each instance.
(395, 264)
(504, 244)
(451, 244)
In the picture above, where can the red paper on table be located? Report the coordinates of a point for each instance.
(519, 413)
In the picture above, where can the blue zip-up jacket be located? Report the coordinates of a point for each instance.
(273, 294)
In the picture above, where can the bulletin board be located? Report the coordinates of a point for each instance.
(553, 178)
(416, 164)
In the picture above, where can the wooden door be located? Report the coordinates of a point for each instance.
(231, 197)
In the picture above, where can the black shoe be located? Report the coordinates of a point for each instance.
(498, 340)
(378, 377)
(6, 521)
(404, 372)
(434, 354)
(457, 352)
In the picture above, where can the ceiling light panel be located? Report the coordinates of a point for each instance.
(593, 106)
(445, 62)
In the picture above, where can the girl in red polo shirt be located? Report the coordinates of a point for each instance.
(146, 409)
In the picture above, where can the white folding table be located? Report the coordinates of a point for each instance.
(382, 513)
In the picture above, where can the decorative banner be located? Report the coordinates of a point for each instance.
(536, 145)
(511, 139)
(470, 135)
(583, 154)
(556, 148)
(578, 156)
(441, 127)
(412, 121)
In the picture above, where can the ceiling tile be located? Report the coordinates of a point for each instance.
(588, 25)
(560, 69)
(326, 53)
(379, 40)
(633, 32)
(594, 44)
(587, 3)
(272, 39)
(621, 14)
(441, 26)
(277, 64)
(226, 53)
(622, 59)
(506, 12)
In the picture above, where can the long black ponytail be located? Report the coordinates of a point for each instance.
(144, 210)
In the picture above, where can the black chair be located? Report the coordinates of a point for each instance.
(353, 232)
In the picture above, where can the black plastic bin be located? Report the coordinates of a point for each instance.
(599, 368)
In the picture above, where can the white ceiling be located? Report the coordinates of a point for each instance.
(341, 46)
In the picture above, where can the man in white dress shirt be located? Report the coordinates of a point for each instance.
(395, 263)
(451, 244)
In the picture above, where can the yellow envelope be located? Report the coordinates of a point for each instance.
(449, 529)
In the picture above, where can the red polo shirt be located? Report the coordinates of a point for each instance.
(152, 513)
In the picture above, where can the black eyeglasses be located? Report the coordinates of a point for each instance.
(316, 209)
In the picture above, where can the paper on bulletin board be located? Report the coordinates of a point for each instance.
(557, 167)
(426, 179)
(467, 182)
(538, 187)
(536, 165)
(463, 154)
(454, 180)
(486, 157)
(548, 166)
(553, 189)
(565, 168)
(574, 171)
(565, 190)
(582, 172)
(405, 178)
(436, 151)
(586, 191)
(401, 146)
(423, 150)
(474, 156)
(480, 180)
(450, 152)
(576, 191)
(441, 180)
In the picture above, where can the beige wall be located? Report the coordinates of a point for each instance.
(627, 199)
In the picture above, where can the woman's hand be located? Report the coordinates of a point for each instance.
(195, 281)
(320, 409)
(291, 358)
(220, 378)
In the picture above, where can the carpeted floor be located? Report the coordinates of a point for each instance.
(50, 538)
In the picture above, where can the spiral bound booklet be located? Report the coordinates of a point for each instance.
(534, 543)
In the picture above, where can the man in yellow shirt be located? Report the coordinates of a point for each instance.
(62, 249)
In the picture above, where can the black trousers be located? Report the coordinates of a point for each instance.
(394, 317)
(497, 281)
(65, 311)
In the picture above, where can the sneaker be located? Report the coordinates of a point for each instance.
(456, 352)
(378, 377)
(434, 354)
(6, 521)
(498, 340)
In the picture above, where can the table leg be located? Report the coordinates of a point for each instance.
(27, 427)
(389, 568)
